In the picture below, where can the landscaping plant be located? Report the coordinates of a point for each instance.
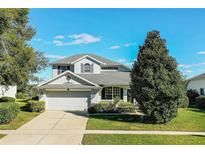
(156, 84)
(106, 106)
(192, 95)
(35, 106)
(125, 107)
(116, 99)
(7, 99)
(21, 95)
(200, 102)
(8, 111)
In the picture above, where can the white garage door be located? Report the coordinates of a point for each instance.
(67, 100)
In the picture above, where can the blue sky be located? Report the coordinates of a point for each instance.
(117, 33)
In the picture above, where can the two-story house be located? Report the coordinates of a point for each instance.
(80, 80)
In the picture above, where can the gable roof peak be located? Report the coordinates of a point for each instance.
(73, 58)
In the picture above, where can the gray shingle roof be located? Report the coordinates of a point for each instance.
(198, 77)
(108, 78)
(65, 86)
(73, 58)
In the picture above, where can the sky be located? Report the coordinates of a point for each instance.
(117, 33)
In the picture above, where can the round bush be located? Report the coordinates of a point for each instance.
(8, 111)
(192, 95)
(7, 99)
(35, 106)
(93, 108)
(21, 95)
(200, 102)
(125, 107)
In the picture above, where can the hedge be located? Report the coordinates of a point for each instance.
(125, 107)
(7, 99)
(35, 106)
(200, 102)
(8, 111)
(21, 95)
(110, 107)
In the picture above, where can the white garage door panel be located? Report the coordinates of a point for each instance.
(67, 100)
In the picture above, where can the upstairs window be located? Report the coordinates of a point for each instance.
(87, 68)
(62, 69)
(109, 68)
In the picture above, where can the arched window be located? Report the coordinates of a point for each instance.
(87, 67)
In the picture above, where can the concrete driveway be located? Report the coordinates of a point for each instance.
(51, 127)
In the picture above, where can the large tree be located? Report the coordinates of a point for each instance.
(156, 83)
(19, 61)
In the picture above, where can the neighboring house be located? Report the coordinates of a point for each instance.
(81, 80)
(197, 83)
(9, 91)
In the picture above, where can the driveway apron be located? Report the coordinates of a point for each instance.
(50, 128)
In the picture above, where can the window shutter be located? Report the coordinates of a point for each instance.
(82, 68)
(91, 68)
(59, 69)
(68, 67)
(121, 93)
(103, 93)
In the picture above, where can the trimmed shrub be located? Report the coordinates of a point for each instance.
(116, 99)
(183, 102)
(21, 95)
(106, 107)
(7, 99)
(35, 106)
(93, 108)
(192, 95)
(200, 102)
(8, 111)
(125, 107)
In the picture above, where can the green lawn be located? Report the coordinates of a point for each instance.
(190, 119)
(22, 118)
(133, 139)
(2, 135)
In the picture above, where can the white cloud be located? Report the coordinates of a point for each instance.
(114, 47)
(188, 71)
(125, 61)
(130, 44)
(129, 63)
(59, 37)
(191, 65)
(58, 43)
(38, 39)
(55, 56)
(122, 60)
(78, 39)
(84, 38)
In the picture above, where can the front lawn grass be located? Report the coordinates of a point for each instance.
(22, 118)
(141, 139)
(190, 119)
(2, 135)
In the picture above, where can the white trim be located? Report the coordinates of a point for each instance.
(88, 57)
(64, 74)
